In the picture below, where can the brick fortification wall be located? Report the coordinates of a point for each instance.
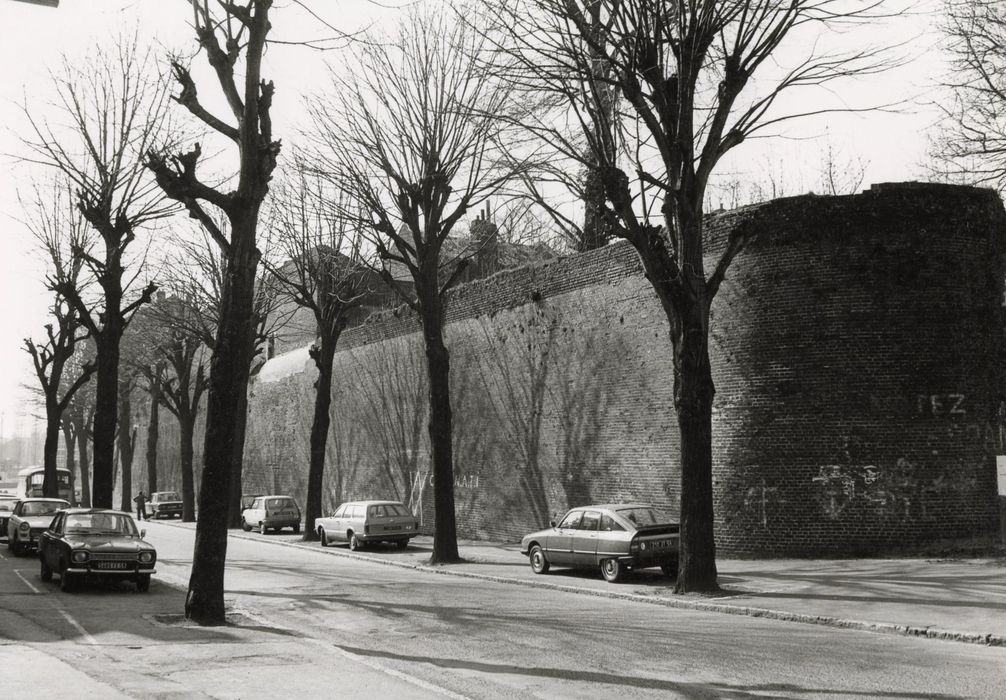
(857, 351)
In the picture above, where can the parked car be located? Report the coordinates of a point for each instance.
(83, 542)
(365, 522)
(28, 520)
(7, 503)
(616, 538)
(271, 513)
(164, 504)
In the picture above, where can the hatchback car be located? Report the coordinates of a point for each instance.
(83, 542)
(365, 522)
(28, 520)
(271, 513)
(616, 538)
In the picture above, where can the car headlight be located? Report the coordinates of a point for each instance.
(146, 557)
(24, 527)
(79, 557)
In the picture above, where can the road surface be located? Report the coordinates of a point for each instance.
(311, 624)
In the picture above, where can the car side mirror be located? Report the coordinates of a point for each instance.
(551, 523)
(143, 533)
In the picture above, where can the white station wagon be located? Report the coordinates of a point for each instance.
(365, 522)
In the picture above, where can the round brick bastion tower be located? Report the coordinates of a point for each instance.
(857, 352)
(857, 349)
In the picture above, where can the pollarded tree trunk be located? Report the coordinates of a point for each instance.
(50, 450)
(125, 447)
(693, 392)
(153, 432)
(106, 399)
(229, 369)
(80, 428)
(324, 359)
(237, 477)
(71, 459)
(438, 368)
(186, 430)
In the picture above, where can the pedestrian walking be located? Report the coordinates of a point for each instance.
(141, 505)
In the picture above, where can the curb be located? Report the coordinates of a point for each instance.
(993, 640)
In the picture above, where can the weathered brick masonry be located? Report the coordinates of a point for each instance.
(857, 351)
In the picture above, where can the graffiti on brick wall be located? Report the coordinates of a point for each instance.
(759, 500)
(940, 404)
(897, 493)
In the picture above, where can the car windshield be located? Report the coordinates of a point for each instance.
(641, 516)
(167, 496)
(100, 523)
(42, 507)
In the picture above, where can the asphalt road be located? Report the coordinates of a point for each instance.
(305, 617)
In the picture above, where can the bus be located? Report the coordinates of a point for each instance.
(29, 483)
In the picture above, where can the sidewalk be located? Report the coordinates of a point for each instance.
(956, 599)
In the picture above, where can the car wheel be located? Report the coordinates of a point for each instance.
(143, 583)
(296, 529)
(402, 544)
(46, 573)
(262, 529)
(670, 569)
(67, 581)
(354, 543)
(323, 537)
(245, 526)
(612, 570)
(539, 564)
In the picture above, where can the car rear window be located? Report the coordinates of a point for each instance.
(641, 516)
(281, 503)
(388, 510)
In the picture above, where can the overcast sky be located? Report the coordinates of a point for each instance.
(33, 39)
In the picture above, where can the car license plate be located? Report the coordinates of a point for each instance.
(111, 564)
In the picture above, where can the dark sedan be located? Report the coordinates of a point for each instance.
(83, 542)
(616, 538)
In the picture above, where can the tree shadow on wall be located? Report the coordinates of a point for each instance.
(580, 404)
(389, 394)
(513, 371)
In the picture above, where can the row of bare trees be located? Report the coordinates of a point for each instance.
(641, 99)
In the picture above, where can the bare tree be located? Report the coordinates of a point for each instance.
(681, 72)
(412, 138)
(323, 274)
(198, 279)
(972, 146)
(57, 229)
(112, 110)
(230, 33)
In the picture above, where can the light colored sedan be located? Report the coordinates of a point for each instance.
(28, 520)
(616, 538)
(365, 522)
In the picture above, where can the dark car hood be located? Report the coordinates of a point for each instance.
(107, 543)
